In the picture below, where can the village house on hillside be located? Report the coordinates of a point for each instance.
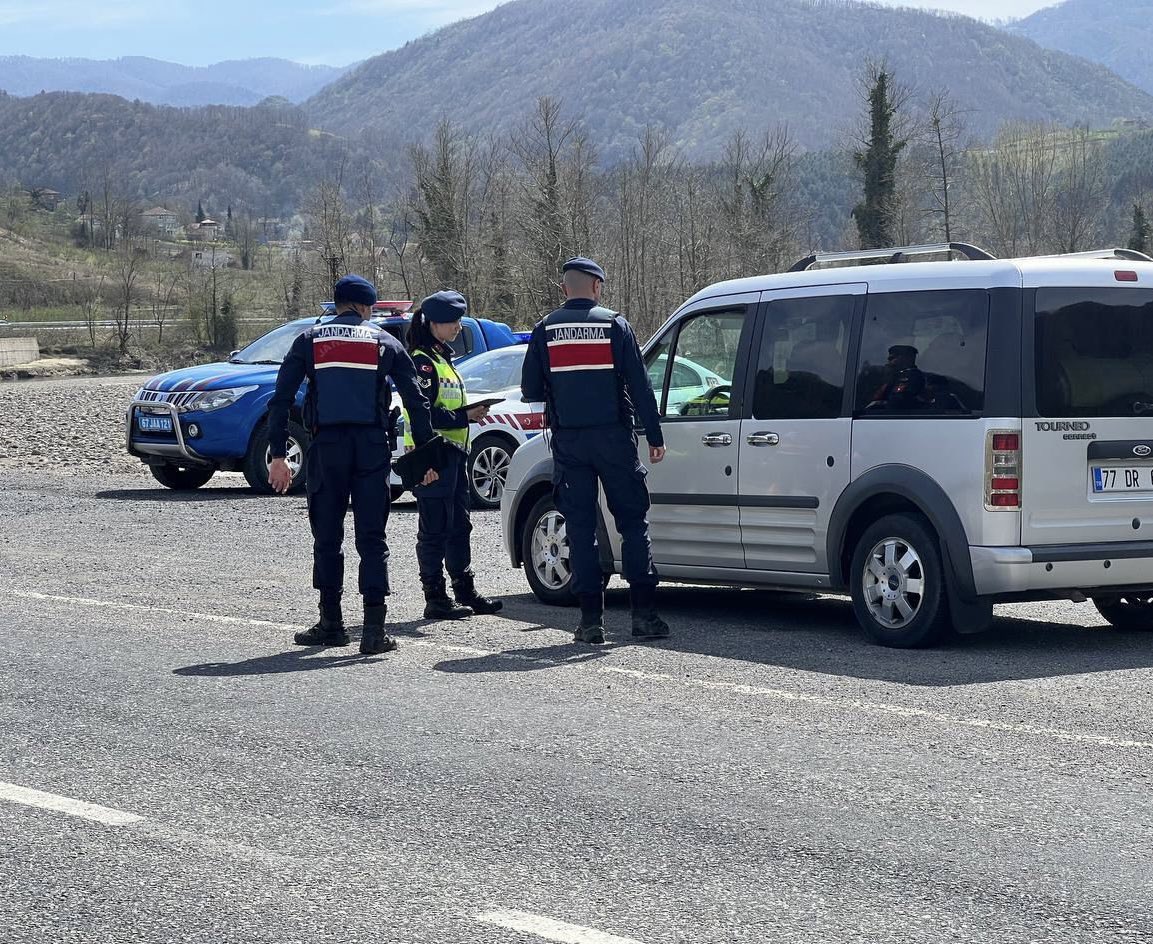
(205, 231)
(44, 198)
(160, 220)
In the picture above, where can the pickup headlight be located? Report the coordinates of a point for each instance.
(211, 400)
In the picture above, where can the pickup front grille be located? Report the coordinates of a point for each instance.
(178, 398)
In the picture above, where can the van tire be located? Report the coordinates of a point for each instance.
(897, 583)
(545, 562)
(1127, 611)
(181, 478)
(256, 459)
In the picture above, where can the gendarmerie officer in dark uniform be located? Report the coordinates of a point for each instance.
(444, 534)
(348, 363)
(583, 361)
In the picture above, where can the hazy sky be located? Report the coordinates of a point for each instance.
(198, 32)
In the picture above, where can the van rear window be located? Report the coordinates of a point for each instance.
(1094, 352)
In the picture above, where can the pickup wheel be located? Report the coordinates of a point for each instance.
(488, 462)
(1128, 611)
(897, 583)
(257, 459)
(181, 478)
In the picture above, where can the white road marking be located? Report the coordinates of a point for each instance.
(757, 691)
(145, 608)
(63, 804)
(825, 701)
(549, 929)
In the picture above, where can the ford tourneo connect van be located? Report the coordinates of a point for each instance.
(928, 429)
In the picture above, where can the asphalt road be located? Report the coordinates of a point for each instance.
(764, 776)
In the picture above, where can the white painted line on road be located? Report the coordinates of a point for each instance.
(63, 804)
(549, 929)
(825, 701)
(145, 608)
(844, 704)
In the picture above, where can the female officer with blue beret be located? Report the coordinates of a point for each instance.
(442, 540)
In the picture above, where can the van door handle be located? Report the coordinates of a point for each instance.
(717, 439)
(763, 439)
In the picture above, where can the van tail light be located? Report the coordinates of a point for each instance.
(1003, 470)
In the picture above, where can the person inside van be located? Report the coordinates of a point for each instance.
(904, 386)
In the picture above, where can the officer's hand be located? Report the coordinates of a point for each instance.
(656, 453)
(279, 476)
(476, 413)
(429, 477)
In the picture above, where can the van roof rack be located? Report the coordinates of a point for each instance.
(1132, 255)
(890, 255)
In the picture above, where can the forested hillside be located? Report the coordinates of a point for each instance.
(702, 70)
(264, 157)
(1116, 33)
(236, 82)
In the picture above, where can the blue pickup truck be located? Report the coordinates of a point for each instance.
(187, 425)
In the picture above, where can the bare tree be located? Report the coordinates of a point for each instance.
(945, 130)
(1081, 191)
(1014, 185)
(129, 262)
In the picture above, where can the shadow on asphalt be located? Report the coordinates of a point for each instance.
(820, 634)
(304, 658)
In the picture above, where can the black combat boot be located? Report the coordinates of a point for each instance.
(328, 632)
(437, 605)
(374, 640)
(646, 623)
(591, 629)
(464, 589)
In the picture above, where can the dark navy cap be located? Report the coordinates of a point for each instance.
(444, 307)
(354, 289)
(587, 266)
(902, 350)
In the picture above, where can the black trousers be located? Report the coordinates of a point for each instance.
(444, 534)
(581, 459)
(349, 464)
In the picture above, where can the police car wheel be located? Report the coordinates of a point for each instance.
(897, 583)
(181, 478)
(488, 462)
(1127, 611)
(257, 459)
(545, 552)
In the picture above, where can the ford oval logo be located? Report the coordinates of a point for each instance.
(1142, 450)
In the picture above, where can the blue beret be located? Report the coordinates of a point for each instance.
(581, 264)
(444, 307)
(352, 288)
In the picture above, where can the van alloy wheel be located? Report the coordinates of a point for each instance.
(899, 585)
(894, 582)
(550, 551)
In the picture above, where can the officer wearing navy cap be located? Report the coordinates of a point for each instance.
(583, 361)
(445, 526)
(347, 362)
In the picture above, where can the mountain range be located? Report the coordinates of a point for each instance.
(702, 70)
(1118, 34)
(234, 82)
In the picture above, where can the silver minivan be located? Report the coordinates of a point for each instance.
(932, 433)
